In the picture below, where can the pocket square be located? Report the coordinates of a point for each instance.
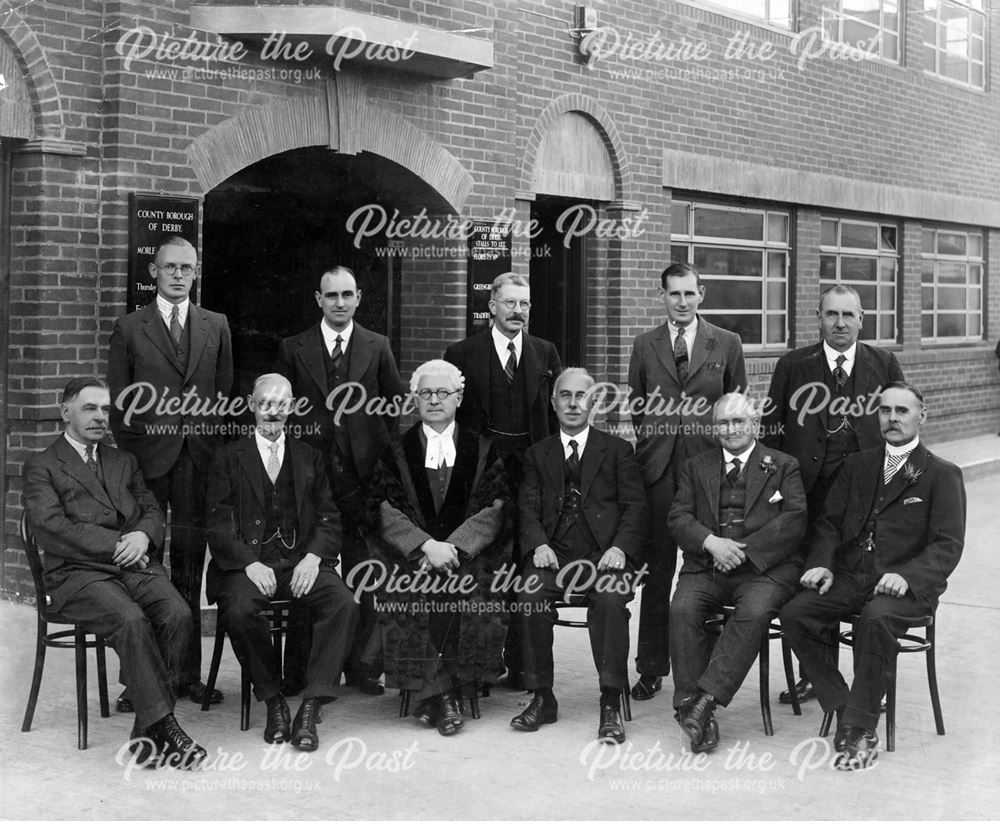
(775, 498)
(912, 500)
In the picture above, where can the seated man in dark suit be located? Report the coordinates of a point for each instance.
(738, 516)
(891, 533)
(91, 514)
(274, 532)
(583, 520)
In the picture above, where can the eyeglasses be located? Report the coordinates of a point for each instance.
(170, 269)
(440, 393)
(511, 304)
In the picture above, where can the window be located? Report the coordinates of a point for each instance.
(865, 256)
(742, 257)
(772, 12)
(951, 277)
(955, 41)
(872, 25)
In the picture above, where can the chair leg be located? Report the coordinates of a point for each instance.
(890, 711)
(626, 704)
(786, 659)
(36, 679)
(277, 629)
(932, 683)
(404, 703)
(102, 676)
(244, 699)
(764, 663)
(474, 701)
(80, 648)
(824, 727)
(213, 669)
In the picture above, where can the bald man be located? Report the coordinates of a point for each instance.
(274, 533)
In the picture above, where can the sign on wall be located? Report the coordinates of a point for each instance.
(151, 219)
(489, 256)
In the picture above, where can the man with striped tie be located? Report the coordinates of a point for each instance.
(891, 532)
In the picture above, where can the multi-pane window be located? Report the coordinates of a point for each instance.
(951, 277)
(872, 25)
(741, 254)
(955, 41)
(863, 254)
(773, 12)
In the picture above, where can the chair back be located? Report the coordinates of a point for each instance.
(34, 563)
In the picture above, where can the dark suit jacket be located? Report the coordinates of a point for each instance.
(716, 367)
(806, 440)
(773, 529)
(920, 527)
(236, 513)
(614, 499)
(541, 364)
(77, 522)
(373, 375)
(141, 351)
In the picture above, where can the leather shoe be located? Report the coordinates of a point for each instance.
(196, 692)
(279, 719)
(694, 715)
(145, 750)
(647, 687)
(803, 692)
(843, 730)
(177, 749)
(709, 739)
(426, 712)
(449, 717)
(304, 735)
(368, 685)
(611, 728)
(860, 751)
(541, 710)
(124, 704)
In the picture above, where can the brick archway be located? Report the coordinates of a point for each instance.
(33, 82)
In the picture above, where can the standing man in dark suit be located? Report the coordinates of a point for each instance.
(583, 523)
(891, 532)
(508, 379)
(821, 405)
(676, 374)
(738, 517)
(100, 529)
(274, 532)
(349, 378)
(170, 366)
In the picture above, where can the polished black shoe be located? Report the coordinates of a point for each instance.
(709, 739)
(694, 715)
(145, 749)
(541, 710)
(843, 730)
(803, 692)
(124, 704)
(647, 687)
(279, 720)
(426, 712)
(196, 692)
(611, 729)
(449, 717)
(304, 735)
(369, 685)
(860, 750)
(177, 749)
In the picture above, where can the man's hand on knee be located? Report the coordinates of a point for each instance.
(263, 578)
(892, 584)
(817, 578)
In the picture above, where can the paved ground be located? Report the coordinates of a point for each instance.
(373, 765)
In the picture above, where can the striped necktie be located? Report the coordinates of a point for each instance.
(893, 462)
(511, 366)
(681, 355)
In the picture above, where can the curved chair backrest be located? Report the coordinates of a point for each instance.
(35, 563)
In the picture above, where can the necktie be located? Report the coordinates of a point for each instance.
(511, 365)
(91, 461)
(839, 373)
(733, 475)
(681, 355)
(338, 352)
(893, 462)
(573, 462)
(175, 326)
(273, 465)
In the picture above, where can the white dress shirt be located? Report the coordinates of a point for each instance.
(264, 448)
(690, 331)
(743, 456)
(833, 353)
(580, 439)
(165, 307)
(500, 343)
(330, 336)
(81, 448)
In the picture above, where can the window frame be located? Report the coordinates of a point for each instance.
(841, 16)
(940, 52)
(749, 17)
(969, 261)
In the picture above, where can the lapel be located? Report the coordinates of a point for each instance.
(198, 336)
(756, 478)
(413, 450)
(361, 353)
(156, 332)
(553, 459)
(710, 474)
(532, 369)
(312, 351)
(704, 344)
(593, 458)
(74, 467)
(114, 473)
(868, 483)
(300, 481)
(478, 363)
(865, 378)
(249, 459)
(665, 352)
(813, 371)
(895, 488)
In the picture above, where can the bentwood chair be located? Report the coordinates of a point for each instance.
(74, 639)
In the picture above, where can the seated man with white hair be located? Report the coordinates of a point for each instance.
(439, 521)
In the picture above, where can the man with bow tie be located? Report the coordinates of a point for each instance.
(738, 518)
(274, 533)
(891, 532)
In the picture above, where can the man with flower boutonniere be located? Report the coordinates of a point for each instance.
(738, 518)
(891, 532)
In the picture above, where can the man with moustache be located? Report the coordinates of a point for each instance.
(676, 373)
(274, 532)
(738, 517)
(340, 360)
(100, 529)
(821, 407)
(508, 378)
(891, 532)
(175, 349)
(582, 511)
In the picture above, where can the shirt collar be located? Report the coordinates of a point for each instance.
(500, 343)
(899, 450)
(264, 444)
(743, 456)
(446, 451)
(580, 438)
(80, 447)
(833, 353)
(690, 331)
(330, 335)
(166, 307)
